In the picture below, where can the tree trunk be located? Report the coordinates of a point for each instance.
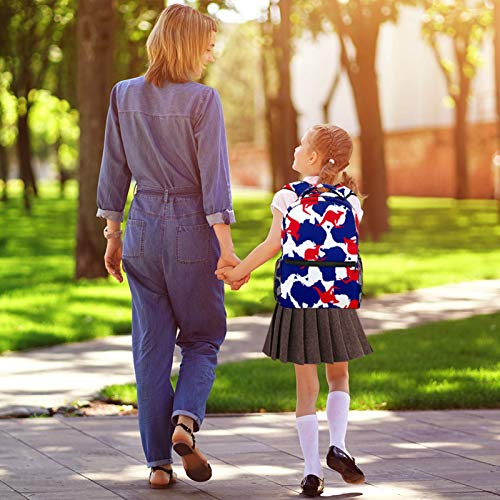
(95, 31)
(460, 131)
(364, 84)
(285, 120)
(331, 92)
(269, 110)
(363, 35)
(24, 157)
(496, 31)
(460, 140)
(373, 171)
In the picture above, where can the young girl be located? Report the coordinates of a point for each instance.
(307, 337)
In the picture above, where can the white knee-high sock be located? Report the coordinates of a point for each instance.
(337, 413)
(307, 428)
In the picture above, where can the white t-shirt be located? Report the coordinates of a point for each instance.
(284, 198)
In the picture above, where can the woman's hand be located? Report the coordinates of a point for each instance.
(113, 258)
(230, 260)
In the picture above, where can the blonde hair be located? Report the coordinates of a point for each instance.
(176, 44)
(334, 147)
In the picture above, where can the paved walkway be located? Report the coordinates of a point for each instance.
(58, 375)
(410, 455)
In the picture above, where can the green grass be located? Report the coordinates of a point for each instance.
(432, 242)
(449, 364)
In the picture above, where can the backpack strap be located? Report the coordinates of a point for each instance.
(297, 187)
(346, 192)
(300, 187)
(339, 190)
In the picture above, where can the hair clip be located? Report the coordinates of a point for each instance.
(332, 161)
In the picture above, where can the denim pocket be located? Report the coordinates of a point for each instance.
(133, 243)
(193, 243)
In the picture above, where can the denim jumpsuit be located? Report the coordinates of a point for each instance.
(172, 141)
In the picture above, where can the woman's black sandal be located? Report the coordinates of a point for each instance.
(194, 463)
(157, 486)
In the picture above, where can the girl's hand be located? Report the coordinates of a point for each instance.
(113, 258)
(226, 274)
(231, 277)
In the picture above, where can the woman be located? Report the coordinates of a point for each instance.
(167, 131)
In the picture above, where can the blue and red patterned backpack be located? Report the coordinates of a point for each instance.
(320, 265)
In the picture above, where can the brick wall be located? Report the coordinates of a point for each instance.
(420, 162)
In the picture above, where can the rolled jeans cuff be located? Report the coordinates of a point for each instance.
(110, 214)
(160, 462)
(185, 413)
(225, 217)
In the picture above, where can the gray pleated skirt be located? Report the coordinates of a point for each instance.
(313, 336)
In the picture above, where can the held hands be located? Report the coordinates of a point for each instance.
(225, 265)
(113, 258)
(225, 271)
(228, 275)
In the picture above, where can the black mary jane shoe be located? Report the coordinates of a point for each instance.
(345, 465)
(312, 486)
(161, 486)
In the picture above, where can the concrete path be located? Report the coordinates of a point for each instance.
(58, 375)
(410, 455)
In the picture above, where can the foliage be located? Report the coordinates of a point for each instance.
(135, 21)
(237, 51)
(465, 24)
(433, 242)
(8, 111)
(54, 124)
(210, 6)
(30, 42)
(443, 365)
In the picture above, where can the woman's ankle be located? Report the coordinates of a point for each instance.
(185, 420)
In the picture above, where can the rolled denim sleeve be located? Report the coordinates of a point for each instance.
(213, 162)
(115, 175)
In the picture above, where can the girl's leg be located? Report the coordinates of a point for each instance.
(337, 405)
(337, 412)
(307, 384)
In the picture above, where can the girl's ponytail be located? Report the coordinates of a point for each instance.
(351, 183)
(334, 145)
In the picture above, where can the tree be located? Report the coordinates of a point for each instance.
(29, 47)
(96, 21)
(357, 24)
(241, 97)
(496, 30)
(8, 131)
(134, 23)
(331, 92)
(464, 23)
(280, 113)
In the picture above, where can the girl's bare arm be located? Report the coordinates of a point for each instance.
(259, 255)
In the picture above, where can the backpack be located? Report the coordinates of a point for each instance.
(320, 265)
